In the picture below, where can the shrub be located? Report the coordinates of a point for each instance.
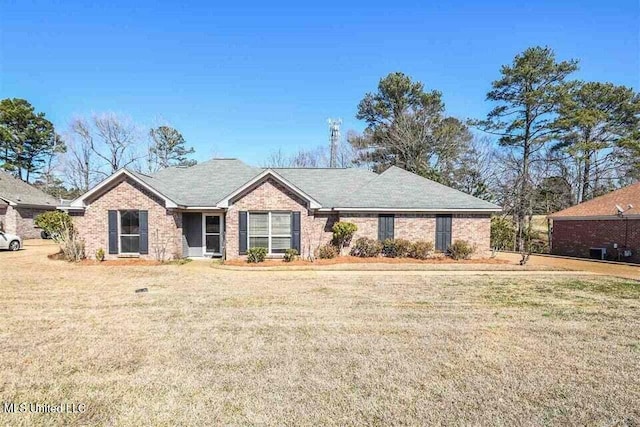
(59, 226)
(290, 255)
(54, 223)
(396, 248)
(100, 255)
(343, 233)
(72, 246)
(503, 233)
(327, 251)
(255, 255)
(366, 248)
(421, 249)
(461, 249)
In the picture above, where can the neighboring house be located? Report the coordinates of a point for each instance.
(224, 207)
(20, 203)
(607, 227)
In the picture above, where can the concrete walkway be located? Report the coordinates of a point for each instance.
(609, 269)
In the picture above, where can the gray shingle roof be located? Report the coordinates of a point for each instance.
(396, 188)
(206, 184)
(327, 186)
(17, 191)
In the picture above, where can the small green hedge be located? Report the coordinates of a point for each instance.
(290, 255)
(461, 249)
(327, 251)
(421, 249)
(366, 248)
(255, 255)
(396, 248)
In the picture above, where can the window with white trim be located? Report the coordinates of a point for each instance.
(271, 230)
(129, 232)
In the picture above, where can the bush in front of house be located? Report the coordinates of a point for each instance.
(503, 233)
(100, 255)
(327, 251)
(461, 249)
(59, 226)
(396, 248)
(255, 255)
(365, 247)
(421, 249)
(290, 255)
(343, 233)
(54, 223)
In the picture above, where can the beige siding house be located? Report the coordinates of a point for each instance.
(223, 207)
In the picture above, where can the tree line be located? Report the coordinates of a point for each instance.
(548, 142)
(91, 149)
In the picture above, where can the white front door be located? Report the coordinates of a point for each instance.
(212, 234)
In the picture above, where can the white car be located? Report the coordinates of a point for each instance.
(10, 241)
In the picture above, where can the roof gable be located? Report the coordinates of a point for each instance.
(269, 173)
(109, 182)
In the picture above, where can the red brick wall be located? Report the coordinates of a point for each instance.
(165, 227)
(576, 237)
(476, 229)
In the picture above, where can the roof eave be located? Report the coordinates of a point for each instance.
(443, 210)
(80, 201)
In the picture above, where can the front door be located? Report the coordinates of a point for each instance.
(443, 232)
(213, 234)
(192, 234)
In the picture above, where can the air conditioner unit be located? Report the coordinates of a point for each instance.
(597, 253)
(627, 253)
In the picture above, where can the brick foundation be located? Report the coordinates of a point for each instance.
(576, 237)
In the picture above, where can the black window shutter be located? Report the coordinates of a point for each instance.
(242, 232)
(385, 227)
(143, 219)
(113, 232)
(295, 231)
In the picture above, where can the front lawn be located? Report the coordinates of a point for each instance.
(213, 346)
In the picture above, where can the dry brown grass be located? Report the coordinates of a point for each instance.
(211, 346)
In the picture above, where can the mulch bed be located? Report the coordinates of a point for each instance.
(358, 260)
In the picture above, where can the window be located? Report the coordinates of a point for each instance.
(271, 230)
(129, 232)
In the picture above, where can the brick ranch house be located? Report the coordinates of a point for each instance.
(222, 207)
(20, 203)
(607, 227)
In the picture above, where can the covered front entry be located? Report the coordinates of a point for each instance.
(202, 234)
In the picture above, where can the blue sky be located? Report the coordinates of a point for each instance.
(246, 78)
